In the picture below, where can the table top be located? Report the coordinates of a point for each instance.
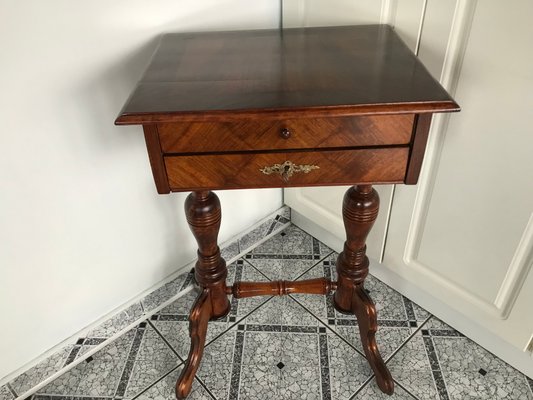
(352, 70)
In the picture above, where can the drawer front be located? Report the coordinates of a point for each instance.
(303, 133)
(248, 170)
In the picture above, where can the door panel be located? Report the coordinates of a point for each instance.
(490, 215)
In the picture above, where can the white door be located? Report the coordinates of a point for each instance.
(461, 242)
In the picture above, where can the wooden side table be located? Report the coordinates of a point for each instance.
(281, 108)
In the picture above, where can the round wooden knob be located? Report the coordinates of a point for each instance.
(285, 133)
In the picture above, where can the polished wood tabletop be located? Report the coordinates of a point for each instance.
(280, 108)
(333, 70)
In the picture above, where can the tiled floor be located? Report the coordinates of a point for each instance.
(295, 347)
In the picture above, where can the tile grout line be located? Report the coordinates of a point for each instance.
(102, 345)
(325, 371)
(254, 267)
(406, 390)
(130, 361)
(394, 353)
(205, 387)
(369, 379)
(156, 382)
(438, 378)
(166, 341)
(404, 343)
(328, 327)
(10, 388)
(427, 350)
(261, 241)
(181, 363)
(239, 321)
(530, 383)
(314, 265)
(318, 319)
(236, 363)
(364, 384)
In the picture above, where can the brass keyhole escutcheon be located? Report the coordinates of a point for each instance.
(288, 169)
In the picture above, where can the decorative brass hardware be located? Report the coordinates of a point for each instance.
(288, 169)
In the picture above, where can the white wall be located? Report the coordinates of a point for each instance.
(82, 229)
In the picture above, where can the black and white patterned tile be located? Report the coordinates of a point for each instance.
(411, 367)
(285, 212)
(123, 369)
(288, 254)
(230, 251)
(41, 371)
(371, 392)
(530, 383)
(164, 389)
(6, 393)
(250, 239)
(117, 322)
(172, 321)
(292, 347)
(100, 335)
(398, 317)
(164, 293)
(97, 376)
(441, 363)
(290, 355)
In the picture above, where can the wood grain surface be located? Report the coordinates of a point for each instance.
(283, 74)
(301, 133)
(239, 171)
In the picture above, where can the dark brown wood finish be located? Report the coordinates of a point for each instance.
(301, 72)
(155, 155)
(302, 133)
(204, 216)
(199, 317)
(281, 288)
(360, 210)
(247, 170)
(280, 108)
(203, 213)
(418, 148)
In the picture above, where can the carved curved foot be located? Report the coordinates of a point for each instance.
(203, 213)
(359, 211)
(365, 310)
(200, 314)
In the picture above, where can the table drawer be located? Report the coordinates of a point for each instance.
(302, 133)
(252, 170)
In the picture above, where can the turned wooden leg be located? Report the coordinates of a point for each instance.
(203, 215)
(360, 210)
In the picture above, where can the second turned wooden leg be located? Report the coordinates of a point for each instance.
(204, 215)
(360, 210)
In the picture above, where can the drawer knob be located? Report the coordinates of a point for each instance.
(288, 169)
(285, 133)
